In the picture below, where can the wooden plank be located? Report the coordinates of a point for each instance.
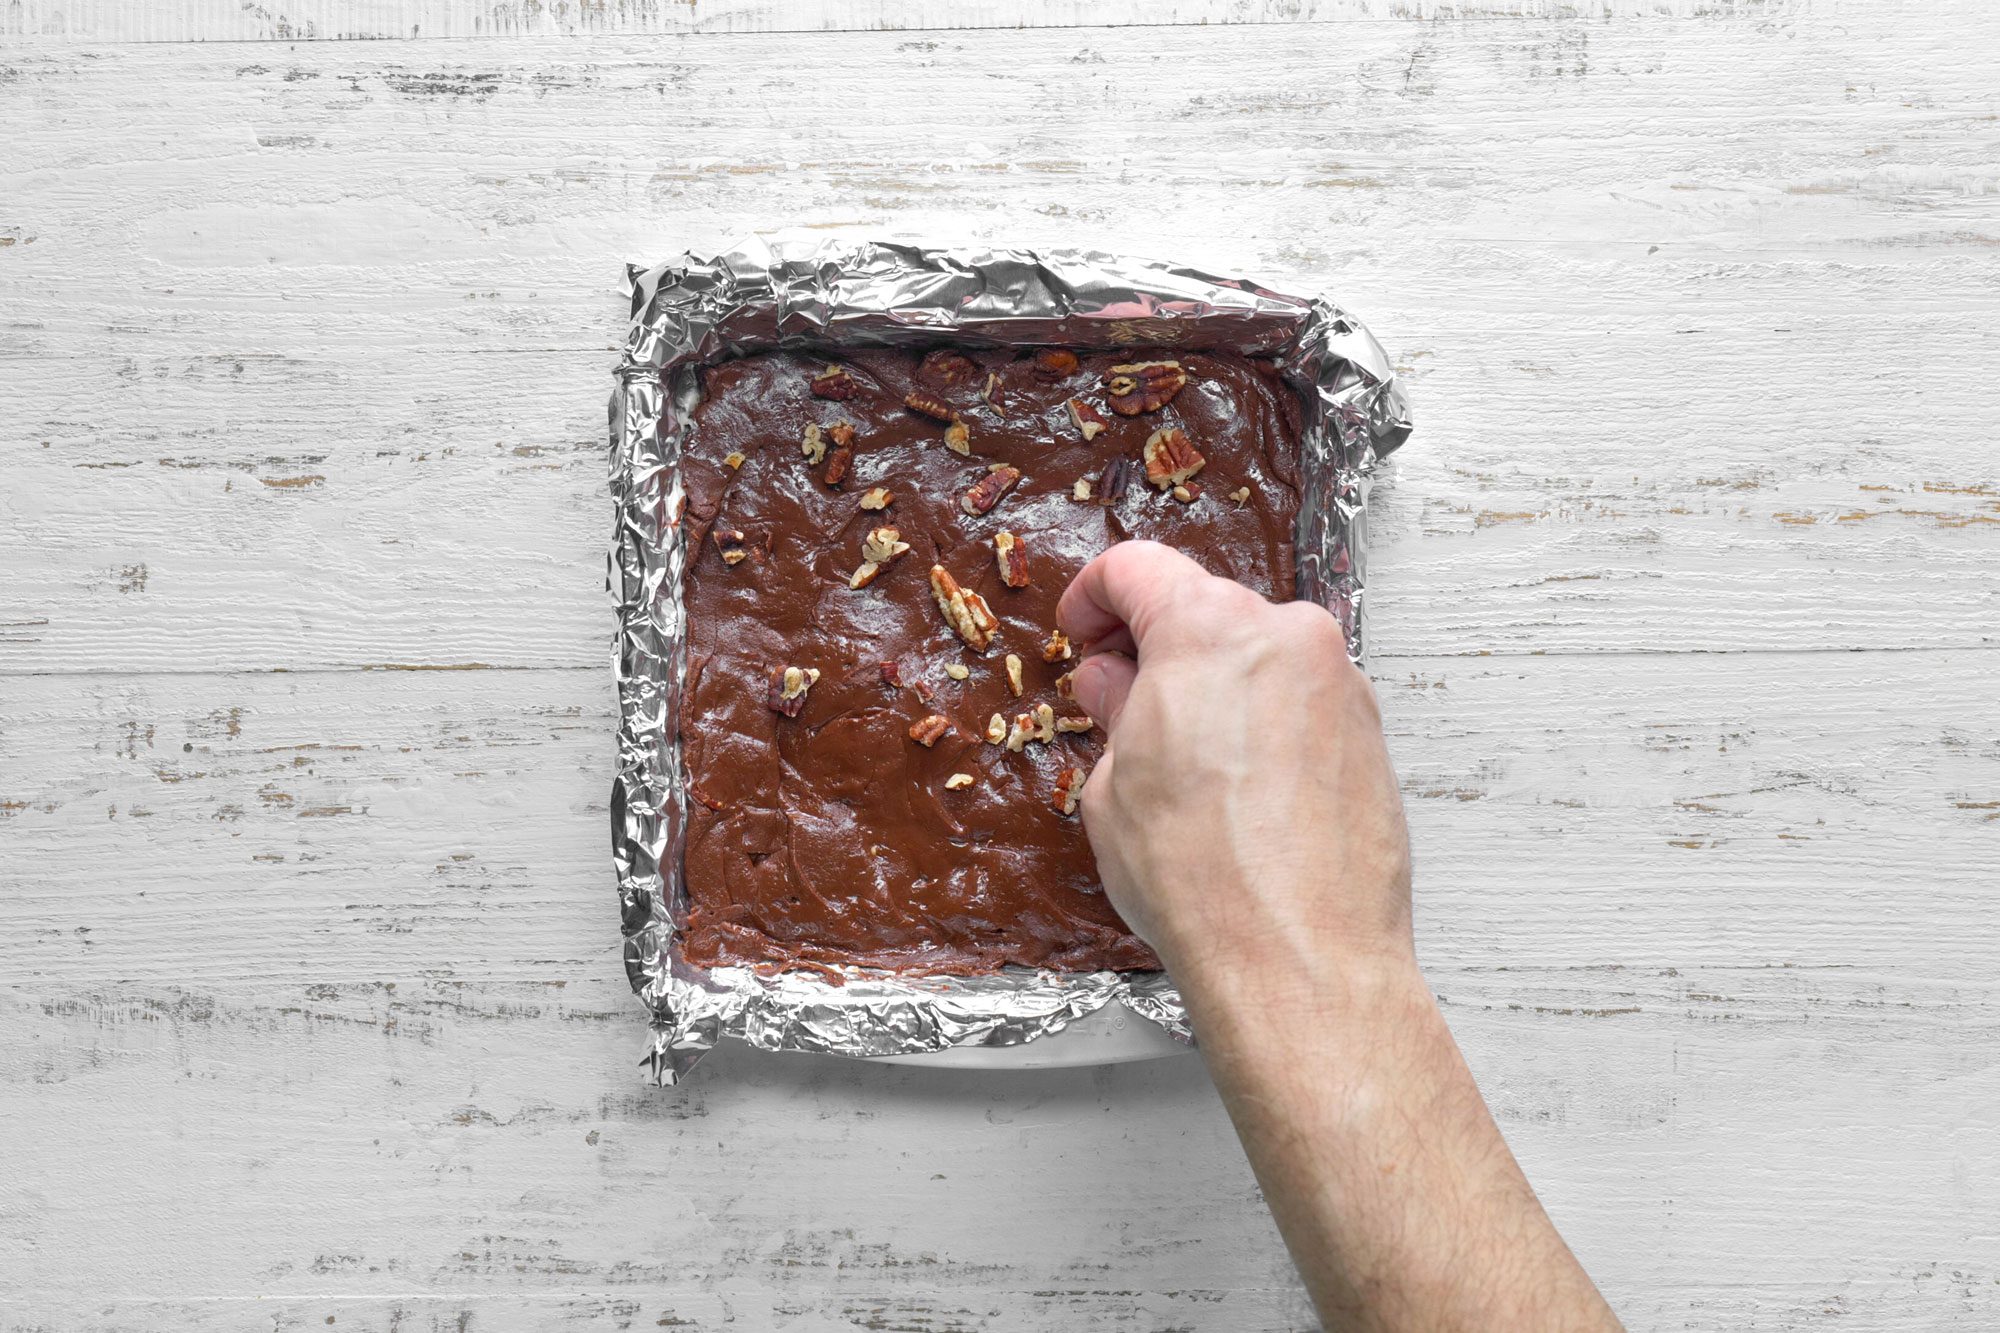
(398, 1154)
(379, 20)
(294, 338)
(1677, 810)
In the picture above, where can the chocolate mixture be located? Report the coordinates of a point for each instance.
(848, 804)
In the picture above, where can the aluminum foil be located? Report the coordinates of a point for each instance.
(819, 294)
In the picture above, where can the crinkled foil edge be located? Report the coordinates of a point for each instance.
(815, 293)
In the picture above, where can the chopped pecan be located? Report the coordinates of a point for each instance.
(930, 730)
(1115, 480)
(733, 460)
(875, 497)
(964, 610)
(947, 366)
(837, 464)
(1021, 732)
(892, 674)
(996, 729)
(1045, 723)
(1056, 363)
(813, 444)
(986, 492)
(864, 574)
(930, 407)
(958, 782)
(1057, 649)
(1081, 491)
(1143, 386)
(957, 670)
(1066, 685)
(1014, 674)
(731, 545)
(1073, 724)
(1240, 494)
(1170, 458)
(1187, 494)
(1087, 419)
(841, 433)
(788, 688)
(1012, 557)
(958, 438)
(835, 383)
(882, 545)
(991, 393)
(923, 691)
(1069, 791)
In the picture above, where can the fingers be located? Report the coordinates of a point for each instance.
(1101, 685)
(1116, 598)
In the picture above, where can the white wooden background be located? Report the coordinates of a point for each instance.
(1687, 601)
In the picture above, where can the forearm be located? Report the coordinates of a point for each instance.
(1394, 1190)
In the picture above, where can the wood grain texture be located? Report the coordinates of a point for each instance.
(310, 1001)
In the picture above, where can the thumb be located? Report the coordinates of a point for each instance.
(1101, 684)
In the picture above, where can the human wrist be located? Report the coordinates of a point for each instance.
(1235, 973)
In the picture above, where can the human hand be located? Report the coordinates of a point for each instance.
(1244, 811)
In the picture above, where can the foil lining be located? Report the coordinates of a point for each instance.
(817, 294)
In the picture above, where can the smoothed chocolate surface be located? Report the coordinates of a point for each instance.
(830, 839)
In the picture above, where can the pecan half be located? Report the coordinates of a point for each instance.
(835, 383)
(813, 444)
(1143, 386)
(947, 366)
(731, 545)
(1057, 649)
(875, 497)
(964, 610)
(930, 730)
(986, 492)
(1087, 419)
(1170, 459)
(788, 688)
(930, 407)
(958, 439)
(1115, 480)
(837, 465)
(1012, 557)
(1069, 791)
(1055, 363)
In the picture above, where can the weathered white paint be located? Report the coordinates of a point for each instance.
(310, 1002)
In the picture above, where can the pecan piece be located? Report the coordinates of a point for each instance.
(930, 730)
(1240, 494)
(1073, 724)
(1057, 649)
(882, 545)
(996, 729)
(731, 545)
(986, 492)
(836, 384)
(1066, 685)
(877, 498)
(946, 366)
(991, 393)
(788, 688)
(1012, 557)
(958, 439)
(733, 460)
(1115, 480)
(1170, 459)
(813, 444)
(892, 674)
(958, 782)
(930, 407)
(1069, 791)
(1143, 386)
(1055, 363)
(1021, 732)
(1014, 674)
(1081, 491)
(957, 670)
(1045, 723)
(1087, 419)
(964, 610)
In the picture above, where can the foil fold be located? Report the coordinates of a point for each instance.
(769, 294)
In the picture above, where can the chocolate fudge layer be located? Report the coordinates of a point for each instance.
(823, 829)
